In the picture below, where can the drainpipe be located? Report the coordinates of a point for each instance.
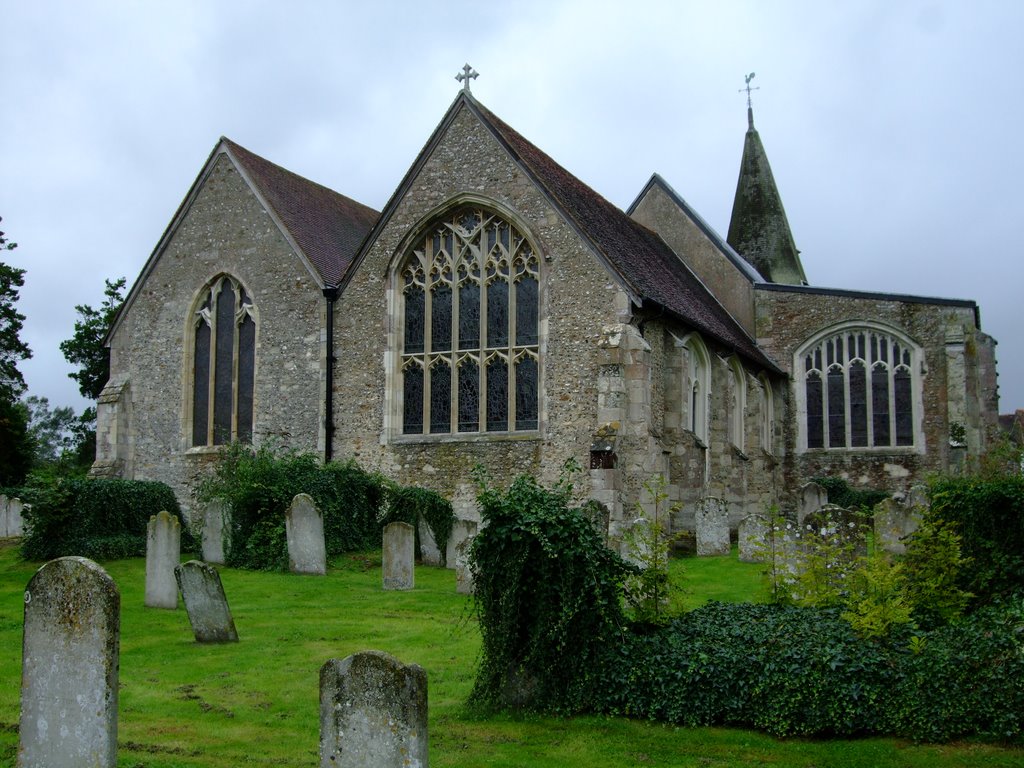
(331, 295)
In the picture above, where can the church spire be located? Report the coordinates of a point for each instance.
(759, 230)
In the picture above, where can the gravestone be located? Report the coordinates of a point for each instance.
(712, 523)
(70, 661)
(752, 538)
(430, 552)
(207, 607)
(373, 713)
(216, 531)
(163, 554)
(839, 526)
(304, 526)
(918, 496)
(399, 556)
(461, 530)
(463, 571)
(10, 517)
(812, 498)
(893, 523)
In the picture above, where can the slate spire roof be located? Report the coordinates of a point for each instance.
(758, 228)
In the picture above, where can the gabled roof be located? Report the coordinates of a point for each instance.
(326, 226)
(644, 264)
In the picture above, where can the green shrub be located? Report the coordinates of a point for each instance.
(841, 494)
(98, 519)
(409, 504)
(932, 565)
(548, 597)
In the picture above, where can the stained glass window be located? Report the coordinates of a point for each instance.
(470, 292)
(223, 365)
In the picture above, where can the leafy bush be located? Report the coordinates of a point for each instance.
(409, 504)
(260, 485)
(98, 519)
(841, 494)
(548, 597)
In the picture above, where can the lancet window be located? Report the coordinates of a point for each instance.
(470, 358)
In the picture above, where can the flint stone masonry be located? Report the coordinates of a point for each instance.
(304, 525)
(163, 554)
(399, 556)
(712, 520)
(373, 713)
(812, 498)
(207, 606)
(216, 531)
(70, 658)
(752, 533)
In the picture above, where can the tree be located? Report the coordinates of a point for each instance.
(85, 349)
(52, 430)
(12, 348)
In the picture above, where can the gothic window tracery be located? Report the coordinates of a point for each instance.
(470, 355)
(858, 386)
(223, 365)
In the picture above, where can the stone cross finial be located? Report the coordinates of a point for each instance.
(467, 74)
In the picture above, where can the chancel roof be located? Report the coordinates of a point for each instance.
(326, 226)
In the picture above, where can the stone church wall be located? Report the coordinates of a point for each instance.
(224, 230)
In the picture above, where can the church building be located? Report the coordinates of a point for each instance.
(500, 312)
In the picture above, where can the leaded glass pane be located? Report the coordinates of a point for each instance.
(469, 397)
(497, 395)
(497, 314)
(526, 311)
(815, 418)
(904, 410)
(246, 369)
(836, 409)
(858, 405)
(415, 310)
(526, 394)
(469, 316)
(412, 407)
(201, 385)
(880, 405)
(224, 355)
(441, 319)
(440, 398)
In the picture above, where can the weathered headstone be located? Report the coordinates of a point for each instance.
(70, 662)
(918, 496)
(461, 530)
(373, 712)
(216, 531)
(752, 535)
(812, 498)
(304, 526)
(163, 554)
(399, 556)
(205, 602)
(430, 552)
(893, 523)
(463, 571)
(712, 524)
(10, 517)
(835, 525)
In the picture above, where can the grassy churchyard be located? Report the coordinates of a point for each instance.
(256, 702)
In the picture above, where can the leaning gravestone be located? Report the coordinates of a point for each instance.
(304, 526)
(205, 602)
(216, 530)
(430, 551)
(373, 712)
(712, 523)
(163, 554)
(463, 569)
(753, 531)
(812, 498)
(69, 682)
(461, 530)
(399, 556)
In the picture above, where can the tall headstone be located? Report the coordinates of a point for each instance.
(304, 526)
(373, 712)
(463, 570)
(812, 498)
(207, 606)
(752, 535)
(399, 556)
(70, 661)
(15, 524)
(712, 524)
(461, 530)
(3, 517)
(430, 551)
(216, 531)
(163, 554)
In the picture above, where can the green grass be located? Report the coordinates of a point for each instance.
(256, 702)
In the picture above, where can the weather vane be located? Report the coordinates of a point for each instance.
(467, 74)
(748, 89)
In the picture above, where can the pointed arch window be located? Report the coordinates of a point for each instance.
(697, 390)
(860, 389)
(470, 355)
(223, 365)
(737, 402)
(766, 410)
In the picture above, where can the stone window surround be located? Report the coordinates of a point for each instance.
(394, 392)
(696, 400)
(737, 402)
(917, 368)
(766, 416)
(188, 367)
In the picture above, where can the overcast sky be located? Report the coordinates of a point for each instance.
(892, 127)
